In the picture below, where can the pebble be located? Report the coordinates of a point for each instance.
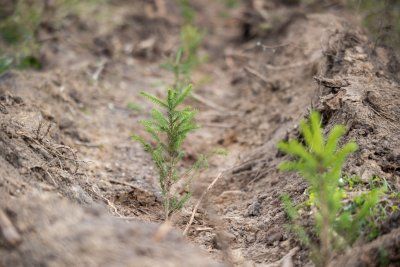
(254, 209)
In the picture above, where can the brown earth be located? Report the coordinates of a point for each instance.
(76, 191)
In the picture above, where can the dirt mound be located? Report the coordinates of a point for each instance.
(55, 232)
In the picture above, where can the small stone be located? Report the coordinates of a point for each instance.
(285, 244)
(380, 73)
(254, 209)
(274, 237)
(359, 49)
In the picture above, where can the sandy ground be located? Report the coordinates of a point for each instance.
(79, 192)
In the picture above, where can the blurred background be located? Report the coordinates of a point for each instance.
(25, 25)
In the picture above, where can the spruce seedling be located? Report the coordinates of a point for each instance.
(187, 55)
(191, 39)
(180, 69)
(187, 12)
(320, 162)
(168, 128)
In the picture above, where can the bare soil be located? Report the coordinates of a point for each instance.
(75, 190)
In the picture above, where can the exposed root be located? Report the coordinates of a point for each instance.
(109, 203)
(58, 152)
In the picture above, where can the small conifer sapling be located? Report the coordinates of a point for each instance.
(168, 127)
(320, 163)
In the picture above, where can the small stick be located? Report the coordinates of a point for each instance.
(87, 144)
(208, 102)
(38, 130)
(8, 230)
(257, 74)
(215, 125)
(99, 70)
(199, 201)
(107, 201)
(113, 181)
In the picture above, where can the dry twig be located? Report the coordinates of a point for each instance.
(109, 203)
(100, 68)
(257, 74)
(53, 149)
(113, 181)
(199, 201)
(208, 102)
